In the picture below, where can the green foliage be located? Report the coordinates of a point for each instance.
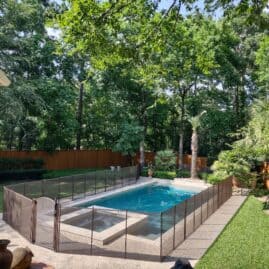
(230, 163)
(165, 160)
(263, 63)
(160, 174)
(255, 141)
(164, 174)
(138, 64)
(20, 164)
(181, 173)
(130, 136)
(22, 174)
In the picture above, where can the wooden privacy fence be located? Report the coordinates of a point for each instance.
(72, 159)
(79, 159)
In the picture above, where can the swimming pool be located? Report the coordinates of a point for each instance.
(153, 198)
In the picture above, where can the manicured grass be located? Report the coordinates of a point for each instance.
(244, 243)
(67, 172)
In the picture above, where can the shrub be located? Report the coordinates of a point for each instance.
(181, 173)
(230, 163)
(165, 160)
(22, 174)
(164, 174)
(7, 164)
(204, 176)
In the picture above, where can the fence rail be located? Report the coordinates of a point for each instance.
(103, 231)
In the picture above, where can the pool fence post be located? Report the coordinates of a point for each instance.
(85, 186)
(194, 209)
(207, 203)
(33, 219)
(126, 227)
(24, 189)
(72, 188)
(92, 227)
(138, 172)
(161, 236)
(56, 231)
(218, 197)
(174, 232)
(213, 203)
(95, 175)
(122, 179)
(105, 179)
(201, 206)
(59, 188)
(185, 218)
(42, 187)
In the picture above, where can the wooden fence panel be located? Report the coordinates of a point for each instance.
(79, 159)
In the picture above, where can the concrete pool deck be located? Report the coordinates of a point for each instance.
(193, 248)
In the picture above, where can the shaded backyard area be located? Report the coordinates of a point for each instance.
(244, 242)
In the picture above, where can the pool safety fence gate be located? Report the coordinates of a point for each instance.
(109, 232)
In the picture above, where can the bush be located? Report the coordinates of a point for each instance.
(159, 174)
(22, 174)
(230, 163)
(164, 174)
(7, 164)
(165, 160)
(181, 173)
(204, 176)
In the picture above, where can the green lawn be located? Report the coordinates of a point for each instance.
(244, 243)
(49, 174)
(67, 172)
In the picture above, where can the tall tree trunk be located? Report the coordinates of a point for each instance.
(194, 153)
(80, 115)
(181, 134)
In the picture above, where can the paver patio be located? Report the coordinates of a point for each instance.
(193, 248)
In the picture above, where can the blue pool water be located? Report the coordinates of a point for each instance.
(153, 198)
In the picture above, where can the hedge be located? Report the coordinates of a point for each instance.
(22, 174)
(7, 164)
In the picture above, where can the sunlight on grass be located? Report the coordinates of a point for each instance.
(244, 243)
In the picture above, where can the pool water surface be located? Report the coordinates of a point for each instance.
(153, 198)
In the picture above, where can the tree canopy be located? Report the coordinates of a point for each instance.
(115, 74)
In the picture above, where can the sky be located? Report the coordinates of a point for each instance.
(164, 4)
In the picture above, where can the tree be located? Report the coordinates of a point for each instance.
(188, 57)
(195, 123)
(131, 135)
(263, 65)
